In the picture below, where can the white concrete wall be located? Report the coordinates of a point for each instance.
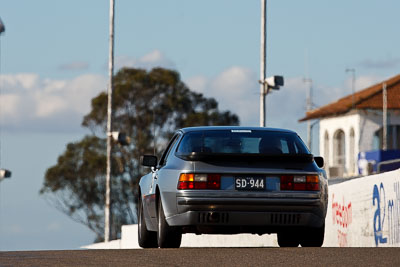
(114, 244)
(362, 212)
(129, 240)
(129, 236)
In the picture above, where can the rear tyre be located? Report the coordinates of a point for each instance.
(146, 239)
(288, 239)
(313, 237)
(167, 236)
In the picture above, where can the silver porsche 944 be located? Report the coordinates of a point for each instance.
(230, 180)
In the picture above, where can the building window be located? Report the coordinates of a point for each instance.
(393, 138)
(339, 156)
(352, 151)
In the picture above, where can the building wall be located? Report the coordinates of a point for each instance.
(371, 121)
(364, 123)
(332, 126)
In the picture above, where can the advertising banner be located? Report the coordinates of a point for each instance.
(364, 212)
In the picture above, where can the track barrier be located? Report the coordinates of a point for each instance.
(363, 212)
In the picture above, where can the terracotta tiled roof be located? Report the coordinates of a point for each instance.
(369, 98)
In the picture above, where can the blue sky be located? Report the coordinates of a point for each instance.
(54, 60)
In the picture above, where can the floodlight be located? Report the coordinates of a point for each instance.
(2, 27)
(4, 174)
(121, 138)
(274, 82)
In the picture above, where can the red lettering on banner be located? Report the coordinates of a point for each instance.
(342, 239)
(342, 216)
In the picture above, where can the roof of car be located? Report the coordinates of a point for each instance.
(213, 128)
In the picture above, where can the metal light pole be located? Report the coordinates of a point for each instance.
(353, 82)
(308, 108)
(2, 29)
(107, 209)
(3, 172)
(263, 68)
(384, 96)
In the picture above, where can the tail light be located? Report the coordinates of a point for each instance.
(199, 181)
(300, 182)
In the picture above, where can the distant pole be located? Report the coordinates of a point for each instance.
(353, 82)
(308, 108)
(3, 172)
(2, 29)
(384, 143)
(107, 210)
(263, 68)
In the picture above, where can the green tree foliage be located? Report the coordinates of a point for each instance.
(148, 106)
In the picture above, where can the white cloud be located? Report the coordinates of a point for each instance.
(154, 56)
(198, 83)
(30, 102)
(47, 105)
(19, 81)
(151, 60)
(237, 90)
(363, 82)
(9, 104)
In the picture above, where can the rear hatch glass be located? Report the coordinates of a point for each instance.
(243, 145)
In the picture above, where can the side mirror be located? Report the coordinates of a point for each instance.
(148, 160)
(319, 161)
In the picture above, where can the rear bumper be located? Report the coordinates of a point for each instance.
(272, 213)
(235, 218)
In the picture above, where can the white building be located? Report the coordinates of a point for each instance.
(354, 124)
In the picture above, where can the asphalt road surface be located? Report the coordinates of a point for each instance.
(207, 257)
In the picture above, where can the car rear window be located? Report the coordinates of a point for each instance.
(242, 142)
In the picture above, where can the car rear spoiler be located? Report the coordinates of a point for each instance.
(245, 157)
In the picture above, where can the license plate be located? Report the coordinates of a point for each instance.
(250, 183)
